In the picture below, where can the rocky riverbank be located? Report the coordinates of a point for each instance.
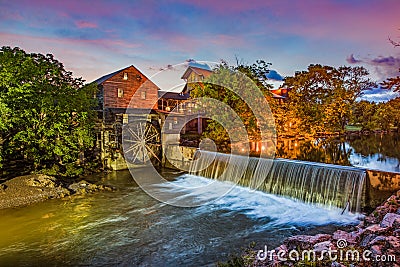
(374, 242)
(28, 189)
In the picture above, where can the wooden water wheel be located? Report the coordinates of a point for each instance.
(141, 142)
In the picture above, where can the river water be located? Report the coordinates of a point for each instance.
(374, 151)
(129, 228)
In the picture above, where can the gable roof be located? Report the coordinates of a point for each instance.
(108, 76)
(199, 71)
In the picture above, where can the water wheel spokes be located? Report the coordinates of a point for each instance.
(141, 142)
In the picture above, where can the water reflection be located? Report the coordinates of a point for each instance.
(380, 151)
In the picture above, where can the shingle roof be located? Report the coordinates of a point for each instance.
(108, 76)
(172, 95)
(199, 71)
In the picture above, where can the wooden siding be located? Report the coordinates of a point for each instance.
(131, 90)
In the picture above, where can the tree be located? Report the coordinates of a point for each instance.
(49, 112)
(383, 116)
(216, 87)
(258, 72)
(364, 115)
(394, 105)
(393, 83)
(323, 96)
(387, 114)
(4, 121)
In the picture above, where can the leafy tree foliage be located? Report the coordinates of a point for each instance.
(392, 83)
(216, 87)
(322, 97)
(364, 115)
(46, 116)
(372, 116)
(394, 109)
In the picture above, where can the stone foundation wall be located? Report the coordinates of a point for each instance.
(379, 186)
(178, 157)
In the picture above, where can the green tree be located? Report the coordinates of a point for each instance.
(49, 112)
(394, 105)
(322, 97)
(387, 114)
(383, 116)
(228, 77)
(258, 73)
(364, 115)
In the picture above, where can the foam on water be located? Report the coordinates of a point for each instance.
(276, 210)
(310, 182)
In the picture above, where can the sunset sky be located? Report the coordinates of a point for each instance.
(93, 38)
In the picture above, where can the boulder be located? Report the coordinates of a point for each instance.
(375, 229)
(305, 241)
(3, 187)
(394, 242)
(322, 246)
(389, 219)
(84, 187)
(376, 250)
(367, 239)
(349, 237)
(337, 264)
(43, 181)
(379, 240)
(396, 233)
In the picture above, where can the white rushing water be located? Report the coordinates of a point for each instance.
(255, 204)
(315, 183)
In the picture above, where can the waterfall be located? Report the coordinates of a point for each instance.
(317, 183)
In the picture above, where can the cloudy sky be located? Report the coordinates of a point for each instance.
(93, 38)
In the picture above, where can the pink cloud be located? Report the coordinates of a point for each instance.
(84, 57)
(85, 24)
(384, 67)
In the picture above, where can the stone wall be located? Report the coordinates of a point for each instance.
(178, 157)
(379, 186)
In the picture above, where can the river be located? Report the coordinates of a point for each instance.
(129, 228)
(374, 151)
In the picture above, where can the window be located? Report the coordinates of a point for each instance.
(120, 92)
(143, 95)
(125, 76)
(125, 118)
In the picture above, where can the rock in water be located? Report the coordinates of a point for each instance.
(43, 181)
